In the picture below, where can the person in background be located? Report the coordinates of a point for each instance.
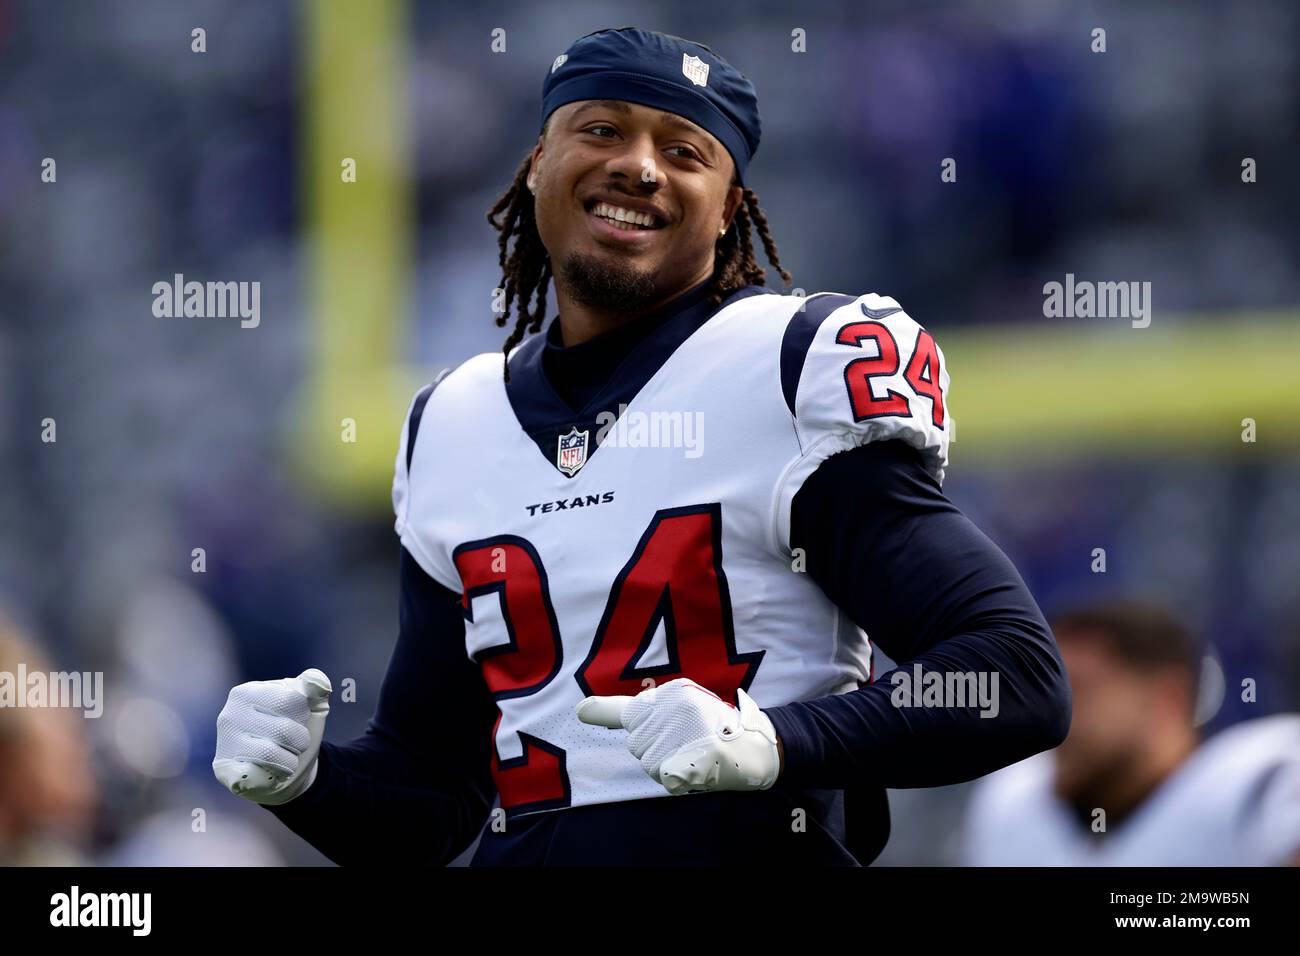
(1133, 784)
(48, 791)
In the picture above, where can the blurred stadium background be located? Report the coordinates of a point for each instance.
(175, 434)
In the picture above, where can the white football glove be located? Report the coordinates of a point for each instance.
(689, 739)
(269, 734)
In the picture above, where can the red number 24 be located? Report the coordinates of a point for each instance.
(922, 373)
(673, 577)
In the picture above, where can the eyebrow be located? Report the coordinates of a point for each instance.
(668, 119)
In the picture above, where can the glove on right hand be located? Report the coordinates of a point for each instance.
(268, 737)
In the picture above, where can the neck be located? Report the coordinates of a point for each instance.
(580, 323)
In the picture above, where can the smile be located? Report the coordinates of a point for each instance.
(627, 218)
(624, 226)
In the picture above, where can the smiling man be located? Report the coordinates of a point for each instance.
(645, 655)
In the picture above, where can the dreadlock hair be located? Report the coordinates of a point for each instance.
(526, 269)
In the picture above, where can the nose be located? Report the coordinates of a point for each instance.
(636, 162)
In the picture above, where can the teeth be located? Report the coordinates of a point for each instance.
(620, 215)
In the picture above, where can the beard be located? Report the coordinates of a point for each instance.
(608, 285)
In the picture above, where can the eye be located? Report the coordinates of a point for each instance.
(592, 129)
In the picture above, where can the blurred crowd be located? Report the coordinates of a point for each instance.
(171, 436)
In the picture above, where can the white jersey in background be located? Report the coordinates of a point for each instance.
(1235, 801)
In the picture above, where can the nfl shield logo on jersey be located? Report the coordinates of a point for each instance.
(572, 452)
(695, 69)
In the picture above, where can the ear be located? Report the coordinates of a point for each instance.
(533, 164)
(735, 196)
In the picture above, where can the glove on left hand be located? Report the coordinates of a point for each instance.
(688, 739)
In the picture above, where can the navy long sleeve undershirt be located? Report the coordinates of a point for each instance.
(929, 588)
(417, 784)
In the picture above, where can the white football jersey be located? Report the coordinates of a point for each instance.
(1234, 802)
(605, 564)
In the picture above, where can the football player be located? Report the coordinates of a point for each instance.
(640, 550)
(1134, 784)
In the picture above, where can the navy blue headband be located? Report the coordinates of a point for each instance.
(663, 71)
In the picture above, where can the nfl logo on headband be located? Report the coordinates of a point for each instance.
(695, 69)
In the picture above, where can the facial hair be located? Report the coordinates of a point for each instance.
(608, 285)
